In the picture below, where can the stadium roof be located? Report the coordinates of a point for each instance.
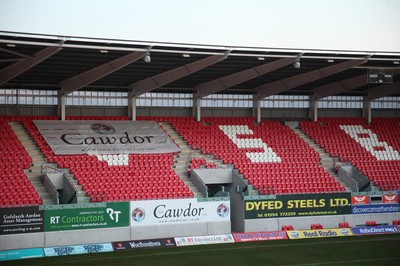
(68, 64)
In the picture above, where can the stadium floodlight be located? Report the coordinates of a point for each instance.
(147, 58)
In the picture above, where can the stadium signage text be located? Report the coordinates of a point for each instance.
(259, 236)
(105, 137)
(374, 208)
(300, 234)
(161, 211)
(80, 249)
(104, 140)
(153, 243)
(21, 220)
(157, 212)
(204, 240)
(113, 215)
(384, 229)
(298, 205)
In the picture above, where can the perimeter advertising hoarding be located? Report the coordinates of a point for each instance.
(301, 234)
(178, 211)
(374, 230)
(374, 208)
(140, 244)
(359, 200)
(18, 254)
(390, 198)
(204, 240)
(79, 249)
(112, 215)
(105, 137)
(21, 220)
(298, 205)
(259, 236)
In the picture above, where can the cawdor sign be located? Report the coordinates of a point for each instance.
(105, 137)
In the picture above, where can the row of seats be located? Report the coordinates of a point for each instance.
(118, 176)
(15, 187)
(373, 149)
(261, 153)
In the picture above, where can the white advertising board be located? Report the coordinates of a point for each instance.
(178, 211)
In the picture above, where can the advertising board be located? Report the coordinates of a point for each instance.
(335, 232)
(114, 214)
(178, 211)
(374, 230)
(79, 249)
(21, 220)
(140, 244)
(260, 236)
(204, 240)
(298, 205)
(18, 254)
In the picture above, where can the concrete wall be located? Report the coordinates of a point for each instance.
(207, 228)
(214, 176)
(20, 241)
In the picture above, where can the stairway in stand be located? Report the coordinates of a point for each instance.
(326, 160)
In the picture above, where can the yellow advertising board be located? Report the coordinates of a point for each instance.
(302, 234)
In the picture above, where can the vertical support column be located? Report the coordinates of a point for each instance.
(367, 113)
(196, 107)
(257, 109)
(313, 112)
(61, 106)
(132, 106)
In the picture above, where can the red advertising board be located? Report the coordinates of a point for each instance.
(390, 198)
(359, 200)
(260, 236)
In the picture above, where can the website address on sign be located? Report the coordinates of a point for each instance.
(314, 213)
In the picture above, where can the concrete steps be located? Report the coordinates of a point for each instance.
(179, 166)
(326, 161)
(34, 173)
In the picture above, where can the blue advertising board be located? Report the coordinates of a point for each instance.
(18, 254)
(75, 250)
(374, 230)
(374, 208)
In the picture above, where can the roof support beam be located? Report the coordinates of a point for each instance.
(384, 90)
(81, 80)
(335, 88)
(229, 81)
(169, 76)
(298, 80)
(16, 69)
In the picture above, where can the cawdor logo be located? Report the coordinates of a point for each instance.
(223, 210)
(138, 215)
(103, 129)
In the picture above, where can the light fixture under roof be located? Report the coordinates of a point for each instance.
(396, 62)
(331, 60)
(104, 51)
(296, 64)
(10, 45)
(147, 58)
(261, 58)
(186, 55)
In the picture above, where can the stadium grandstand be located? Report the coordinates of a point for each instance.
(91, 123)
